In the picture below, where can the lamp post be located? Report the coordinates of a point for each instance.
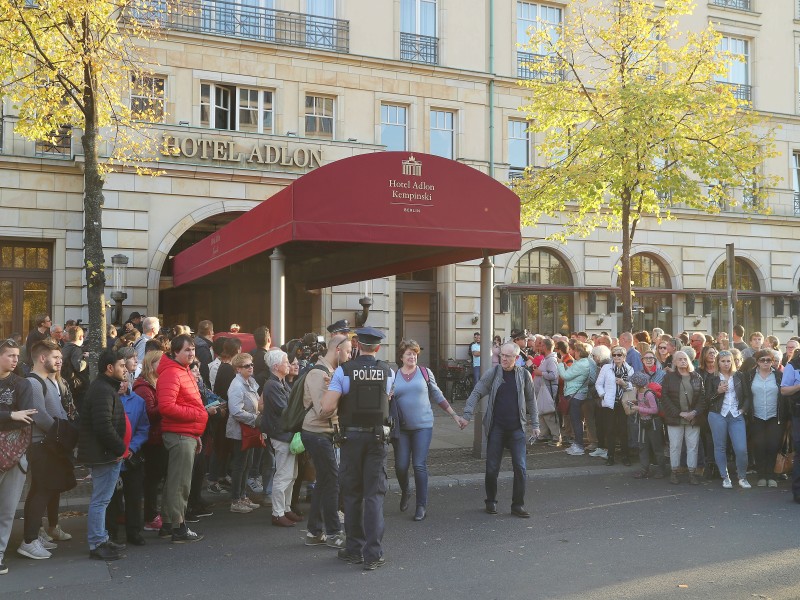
(119, 283)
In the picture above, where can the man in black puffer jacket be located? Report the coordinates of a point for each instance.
(103, 443)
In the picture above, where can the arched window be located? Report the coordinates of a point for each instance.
(747, 309)
(548, 310)
(541, 267)
(648, 272)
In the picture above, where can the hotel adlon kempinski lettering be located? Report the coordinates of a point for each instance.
(229, 151)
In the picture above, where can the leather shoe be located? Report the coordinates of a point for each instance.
(136, 539)
(114, 546)
(294, 509)
(519, 511)
(404, 497)
(283, 521)
(491, 508)
(420, 514)
(293, 516)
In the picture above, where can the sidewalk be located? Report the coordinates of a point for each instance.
(450, 463)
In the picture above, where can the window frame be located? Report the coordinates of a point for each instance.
(149, 99)
(386, 123)
(318, 118)
(234, 108)
(451, 130)
(512, 123)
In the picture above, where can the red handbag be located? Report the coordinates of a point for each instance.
(251, 437)
(13, 444)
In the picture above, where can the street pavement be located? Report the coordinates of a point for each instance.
(596, 536)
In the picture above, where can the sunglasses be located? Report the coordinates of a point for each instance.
(662, 347)
(247, 366)
(9, 343)
(765, 360)
(617, 354)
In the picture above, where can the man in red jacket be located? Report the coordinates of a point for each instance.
(183, 420)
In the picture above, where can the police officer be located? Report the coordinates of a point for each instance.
(359, 392)
(342, 326)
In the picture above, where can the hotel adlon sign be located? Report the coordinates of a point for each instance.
(210, 149)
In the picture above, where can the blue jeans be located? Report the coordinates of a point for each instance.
(514, 440)
(324, 511)
(413, 443)
(721, 428)
(576, 416)
(104, 481)
(476, 374)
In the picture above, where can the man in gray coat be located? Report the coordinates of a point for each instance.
(510, 395)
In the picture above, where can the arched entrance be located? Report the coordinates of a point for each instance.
(546, 311)
(747, 308)
(652, 303)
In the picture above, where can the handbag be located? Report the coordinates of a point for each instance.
(13, 444)
(251, 437)
(563, 404)
(628, 400)
(62, 436)
(785, 459)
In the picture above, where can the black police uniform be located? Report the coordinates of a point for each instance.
(363, 412)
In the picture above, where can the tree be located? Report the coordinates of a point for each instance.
(68, 64)
(636, 120)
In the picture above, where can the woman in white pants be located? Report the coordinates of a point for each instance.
(276, 397)
(684, 404)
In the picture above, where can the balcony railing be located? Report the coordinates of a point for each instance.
(419, 48)
(740, 4)
(797, 203)
(59, 145)
(741, 91)
(538, 66)
(254, 23)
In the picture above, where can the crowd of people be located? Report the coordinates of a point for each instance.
(172, 415)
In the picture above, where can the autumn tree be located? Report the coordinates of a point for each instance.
(635, 120)
(71, 65)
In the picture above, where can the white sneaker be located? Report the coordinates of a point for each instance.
(59, 535)
(726, 483)
(249, 503)
(772, 483)
(575, 450)
(33, 550)
(762, 483)
(744, 484)
(600, 453)
(47, 545)
(254, 485)
(238, 507)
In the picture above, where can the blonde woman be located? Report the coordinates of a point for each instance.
(244, 408)
(684, 405)
(155, 455)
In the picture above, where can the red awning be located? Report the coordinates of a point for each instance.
(366, 217)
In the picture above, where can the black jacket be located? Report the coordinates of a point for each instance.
(102, 436)
(744, 396)
(670, 398)
(15, 392)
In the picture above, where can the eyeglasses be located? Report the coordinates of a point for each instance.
(649, 358)
(507, 356)
(247, 366)
(765, 360)
(9, 343)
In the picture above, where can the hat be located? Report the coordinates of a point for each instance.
(342, 326)
(369, 335)
(516, 334)
(639, 380)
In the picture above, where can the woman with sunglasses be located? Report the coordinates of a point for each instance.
(769, 416)
(683, 403)
(612, 382)
(729, 399)
(243, 409)
(663, 357)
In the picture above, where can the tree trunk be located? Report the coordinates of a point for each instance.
(625, 263)
(94, 260)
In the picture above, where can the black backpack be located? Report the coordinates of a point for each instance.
(295, 413)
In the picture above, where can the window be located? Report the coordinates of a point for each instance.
(147, 97)
(747, 310)
(236, 108)
(536, 65)
(321, 33)
(319, 117)
(442, 133)
(394, 122)
(418, 30)
(245, 18)
(738, 72)
(796, 181)
(25, 285)
(647, 272)
(544, 311)
(519, 144)
(541, 267)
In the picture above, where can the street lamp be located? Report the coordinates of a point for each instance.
(119, 282)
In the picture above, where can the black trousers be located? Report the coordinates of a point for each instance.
(37, 502)
(615, 429)
(156, 459)
(127, 501)
(766, 439)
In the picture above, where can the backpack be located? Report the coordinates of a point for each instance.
(33, 375)
(295, 412)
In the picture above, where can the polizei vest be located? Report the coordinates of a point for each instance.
(367, 402)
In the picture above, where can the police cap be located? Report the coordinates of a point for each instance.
(369, 335)
(342, 326)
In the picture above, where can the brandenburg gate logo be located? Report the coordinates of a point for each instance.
(412, 167)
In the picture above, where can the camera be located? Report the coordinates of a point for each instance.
(307, 349)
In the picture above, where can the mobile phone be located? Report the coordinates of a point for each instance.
(213, 404)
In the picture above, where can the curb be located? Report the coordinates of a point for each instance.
(435, 482)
